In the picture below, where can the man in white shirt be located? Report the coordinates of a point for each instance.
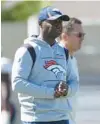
(71, 38)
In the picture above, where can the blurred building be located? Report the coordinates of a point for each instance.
(85, 9)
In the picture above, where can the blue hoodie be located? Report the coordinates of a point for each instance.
(36, 89)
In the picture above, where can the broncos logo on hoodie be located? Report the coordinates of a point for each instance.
(57, 69)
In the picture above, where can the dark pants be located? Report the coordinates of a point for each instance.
(53, 122)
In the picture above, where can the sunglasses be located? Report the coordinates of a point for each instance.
(79, 34)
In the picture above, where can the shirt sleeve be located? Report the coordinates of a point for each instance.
(72, 80)
(20, 72)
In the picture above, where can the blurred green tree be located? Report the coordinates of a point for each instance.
(22, 10)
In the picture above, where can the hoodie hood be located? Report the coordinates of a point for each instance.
(37, 40)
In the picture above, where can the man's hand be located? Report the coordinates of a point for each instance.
(61, 89)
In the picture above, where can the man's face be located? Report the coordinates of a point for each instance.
(52, 28)
(75, 37)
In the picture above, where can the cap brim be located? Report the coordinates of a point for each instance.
(62, 17)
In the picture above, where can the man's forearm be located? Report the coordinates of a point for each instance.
(22, 86)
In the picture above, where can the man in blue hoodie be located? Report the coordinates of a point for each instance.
(43, 87)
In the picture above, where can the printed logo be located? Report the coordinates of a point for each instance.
(56, 10)
(49, 15)
(57, 69)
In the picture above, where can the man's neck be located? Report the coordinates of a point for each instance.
(50, 41)
(71, 52)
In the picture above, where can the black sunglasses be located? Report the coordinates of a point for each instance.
(79, 34)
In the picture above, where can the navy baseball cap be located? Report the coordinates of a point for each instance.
(50, 13)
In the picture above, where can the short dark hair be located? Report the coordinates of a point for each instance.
(68, 26)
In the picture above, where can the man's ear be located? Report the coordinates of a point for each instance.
(64, 36)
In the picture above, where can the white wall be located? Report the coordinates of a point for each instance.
(12, 36)
(90, 9)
